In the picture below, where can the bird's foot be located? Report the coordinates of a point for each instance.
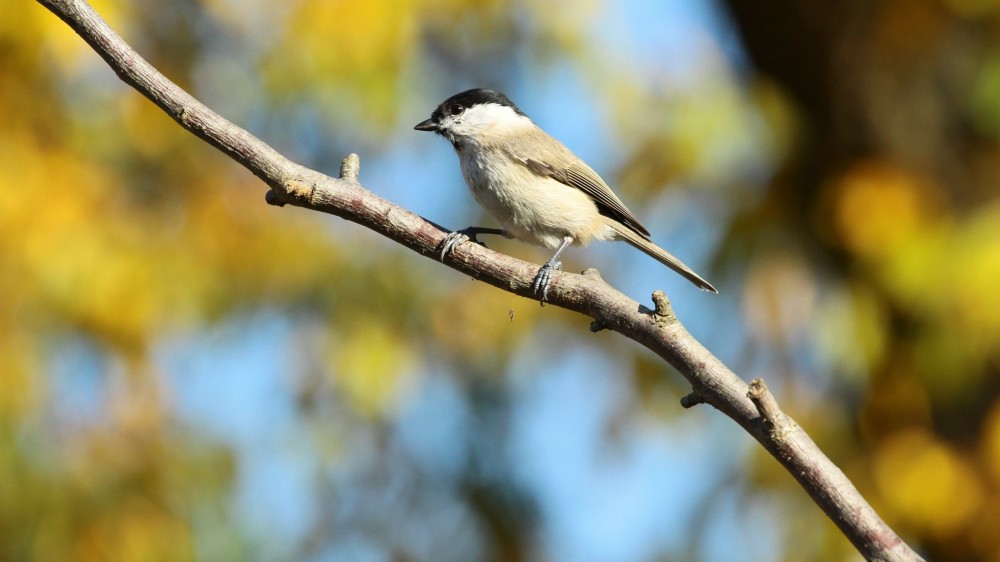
(540, 286)
(453, 240)
(459, 237)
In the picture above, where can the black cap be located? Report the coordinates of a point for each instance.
(475, 96)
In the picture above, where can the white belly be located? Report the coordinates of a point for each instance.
(532, 208)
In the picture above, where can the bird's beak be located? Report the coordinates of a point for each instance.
(427, 125)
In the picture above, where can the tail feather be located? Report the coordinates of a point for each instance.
(659, 254)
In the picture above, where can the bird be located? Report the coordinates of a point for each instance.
(533, 186)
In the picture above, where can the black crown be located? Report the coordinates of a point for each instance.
(475, 96)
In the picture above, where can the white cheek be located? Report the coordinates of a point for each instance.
(490, 117)
(450, 122)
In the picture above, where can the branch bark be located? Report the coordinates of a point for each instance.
(751, 406)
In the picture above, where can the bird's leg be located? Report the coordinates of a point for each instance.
(541, 284)
(460, 237)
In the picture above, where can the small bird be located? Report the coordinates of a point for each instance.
(539, 191)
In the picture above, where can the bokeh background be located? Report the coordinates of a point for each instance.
(189, 374)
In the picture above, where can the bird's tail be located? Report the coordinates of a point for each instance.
(661, 255)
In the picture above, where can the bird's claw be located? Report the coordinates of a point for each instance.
(459, 237)
(540, 286)
(453, 240)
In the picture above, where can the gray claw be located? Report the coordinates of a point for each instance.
(542, 278)
(453, 239)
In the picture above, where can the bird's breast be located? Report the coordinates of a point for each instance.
(534, 209)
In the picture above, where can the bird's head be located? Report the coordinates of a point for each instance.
(475, 115)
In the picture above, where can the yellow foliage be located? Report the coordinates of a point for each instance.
(974, 8)
(926, 483)
(852, 329)
(353, 49)
(68, 51)
(20, 21)
(135, 530)
(90, 270)
(149, 132)
(360, 35)
(990, 444)
(564, 19)
(944, 274)
(983, 532)
(20, 390)
(942, 269)
(370, 364)
(973, 268)
(878, 208)
(779, 113)
(479, 323)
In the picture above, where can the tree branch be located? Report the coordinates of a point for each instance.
(753, 407)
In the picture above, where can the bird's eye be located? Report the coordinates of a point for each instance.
(456, 109)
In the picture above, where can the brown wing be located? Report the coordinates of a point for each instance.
(580, 176)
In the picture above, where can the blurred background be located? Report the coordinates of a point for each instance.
(189, 374)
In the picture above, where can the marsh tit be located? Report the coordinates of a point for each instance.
(539, 191)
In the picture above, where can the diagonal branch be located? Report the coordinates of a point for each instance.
(752, 407)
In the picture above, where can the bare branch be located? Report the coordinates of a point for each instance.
(766, 405)
(753, 407)
(691, 400)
